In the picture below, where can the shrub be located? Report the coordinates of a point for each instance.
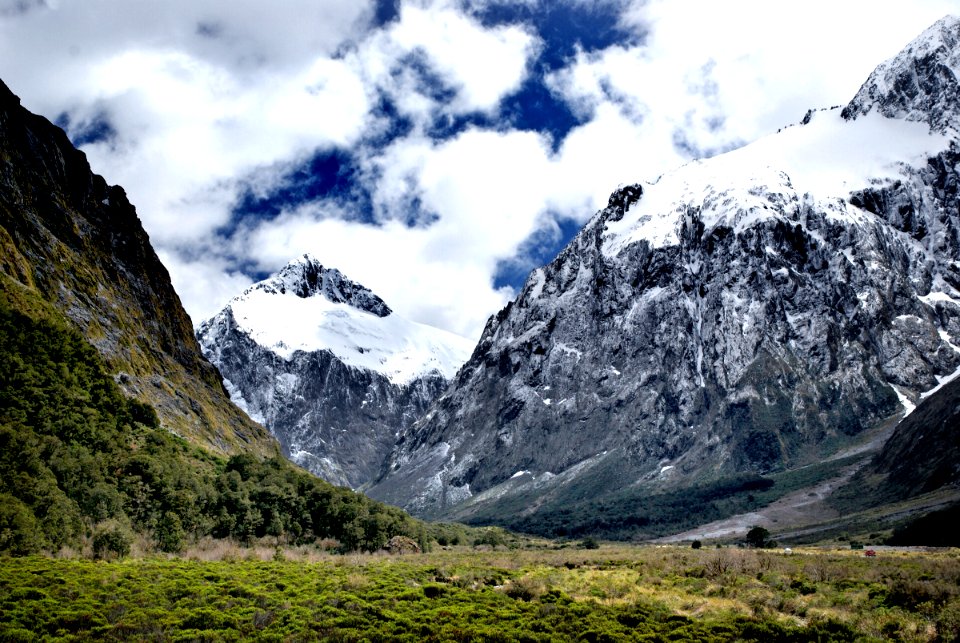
(589, 543)
(169, 534)
(911, 594)
(111, 540)
(143, 413)
(524, 589)
(696, 544)
(19, 532)
(758, 537)
(948, 623)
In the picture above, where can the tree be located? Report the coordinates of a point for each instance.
(111, 539)
(19, 532)
(758, 537)
(169, 533)
(589, 543)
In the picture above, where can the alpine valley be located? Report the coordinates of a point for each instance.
(781, 316)
(115, 431)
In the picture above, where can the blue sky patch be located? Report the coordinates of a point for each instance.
(534, 107)
(385, 12)
(539, 249)
(564, 26)
(95, 130)
(331, 174)
(396, 125)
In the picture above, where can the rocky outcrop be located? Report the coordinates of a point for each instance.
(307, 277)
(76, 242)
(921, 83)
(748, 313)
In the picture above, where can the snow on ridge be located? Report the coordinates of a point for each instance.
(306, 277)
(908, 406)
(395, 347)
(827, 159)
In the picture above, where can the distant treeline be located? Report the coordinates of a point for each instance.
(625, 516)
(82, 463)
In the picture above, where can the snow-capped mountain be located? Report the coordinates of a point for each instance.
(328, 368)
(745, 313)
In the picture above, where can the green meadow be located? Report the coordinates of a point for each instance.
(543, 592)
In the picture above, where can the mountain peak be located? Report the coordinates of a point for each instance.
(307, 307)
(306, 277)
(918, 84)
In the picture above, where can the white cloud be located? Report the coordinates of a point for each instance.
(483, 64)
(728, 72)
(205, 283)
(489, 192)
(192, 112)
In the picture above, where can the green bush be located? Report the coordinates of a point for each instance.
(111, 540)
(19, 532)
(589, 543)
(758, 537)
(169, 534)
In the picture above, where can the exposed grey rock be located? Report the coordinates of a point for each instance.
(306, 277)
(920, 84)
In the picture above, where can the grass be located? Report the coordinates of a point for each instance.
(615, 593)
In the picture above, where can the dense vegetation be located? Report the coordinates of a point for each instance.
(619, 594)
(81, 466)
(636, 512)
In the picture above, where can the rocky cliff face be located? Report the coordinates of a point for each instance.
(751, 313)
(327, 366)
(76, 242)
(919, 84)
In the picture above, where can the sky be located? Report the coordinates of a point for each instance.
(433, 150)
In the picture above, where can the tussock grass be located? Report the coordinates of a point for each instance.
(217, 590)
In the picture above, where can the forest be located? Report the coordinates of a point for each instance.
(82, 465)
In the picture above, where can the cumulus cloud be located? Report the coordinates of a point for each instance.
(193, 104)
(482, 64)
(721, 74)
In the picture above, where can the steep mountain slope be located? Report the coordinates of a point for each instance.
(85, 308)
(744, 314)
(325, 365)
(68, 238)
(922, 455)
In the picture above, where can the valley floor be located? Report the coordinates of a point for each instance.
(545, 593)
(808, 515)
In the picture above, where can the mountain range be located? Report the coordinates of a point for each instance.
(114, 428)
(746, 314)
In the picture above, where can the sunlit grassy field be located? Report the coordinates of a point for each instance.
(615, 593)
